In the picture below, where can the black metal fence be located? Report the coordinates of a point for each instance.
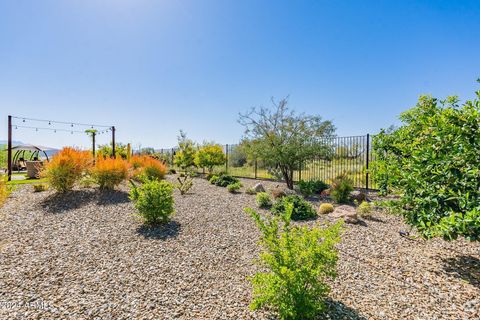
(346, 155)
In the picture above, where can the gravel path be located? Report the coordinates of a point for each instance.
(85, 255)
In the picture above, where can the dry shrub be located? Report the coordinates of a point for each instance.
(66, 168)
(3, 190)
(110, 172)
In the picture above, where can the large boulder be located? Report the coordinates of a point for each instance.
(258, 188)
(345, 212)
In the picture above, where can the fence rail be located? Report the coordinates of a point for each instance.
(345, 155)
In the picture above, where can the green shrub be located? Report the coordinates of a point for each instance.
(263, 200)
(234, 187)
(436, 153)
(365, 209)
(213, 179)
(154, 200)
(302, 209)
(299, 264)
(341, 187)
(325, 208)
(40, 187)
(311, 187)
(250, 191)
(224, 180)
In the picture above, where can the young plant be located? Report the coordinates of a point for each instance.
(154, 201)
(250, 191)
(66, 168)
(234, 187)
(109, 173)
(341, 188)
(301, 209)
(263, 200)
(184, 184)
(213, 179)
(40, 187)
(185, 156)
(299, 262)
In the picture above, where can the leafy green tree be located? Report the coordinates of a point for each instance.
(285, 140)
(209, 155)
(185, 155)
(433, 161)
(106, 151)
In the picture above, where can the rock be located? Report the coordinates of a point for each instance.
(345, 212)
(360, 196)
(258, 188)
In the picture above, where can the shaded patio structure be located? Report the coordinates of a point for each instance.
(28, 157)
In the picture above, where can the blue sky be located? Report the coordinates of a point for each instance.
(152, 67)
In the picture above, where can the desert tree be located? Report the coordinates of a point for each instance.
(285, 140)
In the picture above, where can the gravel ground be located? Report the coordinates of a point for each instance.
(85, 255)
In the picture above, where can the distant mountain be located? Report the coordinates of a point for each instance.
(14, 142)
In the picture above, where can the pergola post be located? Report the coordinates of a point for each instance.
(113, 141)
(9, 146)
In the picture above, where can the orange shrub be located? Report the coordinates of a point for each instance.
(137, 161)
(148, 168)
(66, 168)
(109, 172)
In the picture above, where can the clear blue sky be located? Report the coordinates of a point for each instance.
(152, 67)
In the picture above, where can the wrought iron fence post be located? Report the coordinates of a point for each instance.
(172, 158)
(367, 162)
(255, 167)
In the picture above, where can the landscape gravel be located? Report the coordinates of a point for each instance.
(85, 255)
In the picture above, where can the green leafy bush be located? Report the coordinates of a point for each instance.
(234, 187)
(263, 200)
(299, 262)
(224, 180)
(213, 179)
(154, 200)
(210, 155)
(341, 187)
(325, 208)
(311, 187)
(302, 209)
(436, 153)
(365, 209)
(250, 191)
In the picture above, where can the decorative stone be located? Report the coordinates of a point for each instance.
(345, 212)
(258, 188)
